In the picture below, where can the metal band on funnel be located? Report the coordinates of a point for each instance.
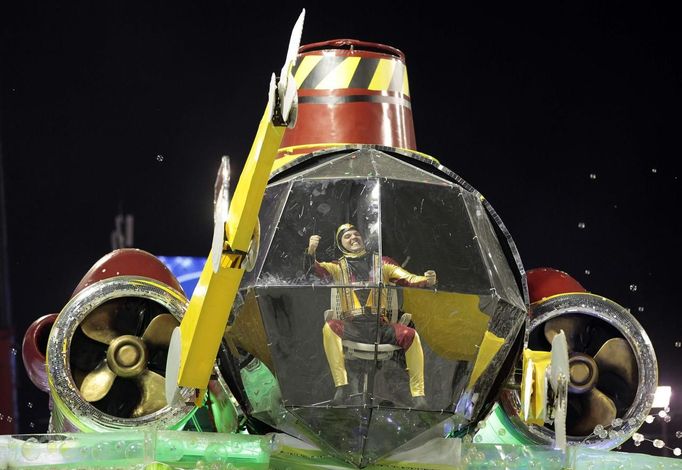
(350, 92)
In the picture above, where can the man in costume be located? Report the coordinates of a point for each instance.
(357, 308)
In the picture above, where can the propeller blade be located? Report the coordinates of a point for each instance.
(559, 359)
(153, 396)
(221, 207)
(573, 326)
(616, 356)
(98, 382)
(99, 324)
(159, 330)
(286, 86)
(597, 409)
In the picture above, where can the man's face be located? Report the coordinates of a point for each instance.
(352, 241)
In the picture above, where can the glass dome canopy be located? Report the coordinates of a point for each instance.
(351, 371)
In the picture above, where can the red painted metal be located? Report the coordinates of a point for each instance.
(546, 282)
(362, 120)
(124, 262)
(33, 350)
(128, 262)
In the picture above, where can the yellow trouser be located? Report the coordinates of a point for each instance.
(414, 357)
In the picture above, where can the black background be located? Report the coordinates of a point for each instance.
(127, 106)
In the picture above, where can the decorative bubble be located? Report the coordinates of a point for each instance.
(632, 421)
(588, 272)
(159, 158)
(603, 434)
(30, 450)
(667, 418)
(659, 444)
(9, 419)
(678, 434)
(637, 437)
(501, 432)
(598, 428)
(633, 287)
(638, 443)
(678, 344)
(29, 404)
(640, 309)
(677, 451)
(662, 414)
(31, 425)
(613, 434)
(478, 438)
(649, 419)
(593, 176)
(134, 451)
(667, 409)
(581, 225)
(617, 422)
(654, 170)
(13, 351)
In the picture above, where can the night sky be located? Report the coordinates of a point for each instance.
(563, 117)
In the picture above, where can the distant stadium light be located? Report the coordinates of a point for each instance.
(662, 397)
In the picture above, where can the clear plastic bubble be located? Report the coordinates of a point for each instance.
(659, 444)
(30, 450)
(666, 409)
(667, 418)
(638, 443)
(649, 419)
(637, 437)
(588, 272)
(677, 451)
(632, 421)
(13, 351)
(662, 414)
(9, 419)
(603, 434)
(159, 158)
(640, 309)
(581, 225)
(593, 176)
(501, 432)
(134, 451)
(598, 428)
(31, 425)
(617, 422)
(633, 287)
(29, 404)
(654, 170)
(478, 438)
(613, 434)
(678, 344)
(678, 434)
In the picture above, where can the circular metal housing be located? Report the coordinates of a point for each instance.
(599, 311)
(126, 353)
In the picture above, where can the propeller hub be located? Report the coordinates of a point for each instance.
(584, 373)
(127, 356)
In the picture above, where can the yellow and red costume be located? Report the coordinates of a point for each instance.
(357, 308)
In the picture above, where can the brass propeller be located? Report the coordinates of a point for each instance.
(160, 329)
(97, 383)
(126, 359)
(153, 394)
(592, 389)
(616, 356)
(572, 325)
(99, 324)
(597, 409)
